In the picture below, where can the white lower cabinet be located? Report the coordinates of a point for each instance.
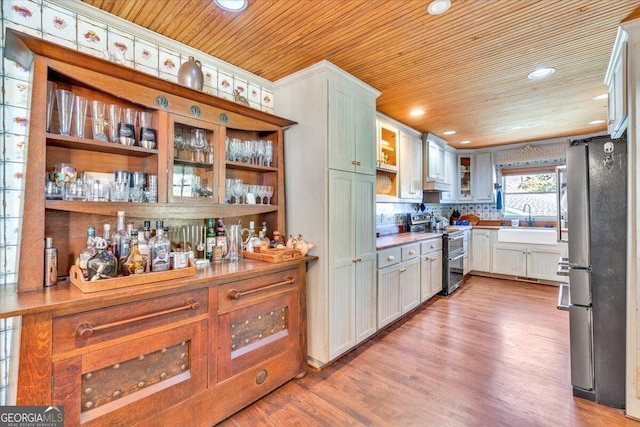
(481, 243)
(430, 268)
(398, 282)
(530, 261)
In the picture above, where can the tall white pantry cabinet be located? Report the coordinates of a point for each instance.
(330, 158)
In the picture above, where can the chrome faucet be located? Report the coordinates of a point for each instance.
(529, 218)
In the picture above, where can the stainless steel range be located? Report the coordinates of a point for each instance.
(418, 223)
(453, 254)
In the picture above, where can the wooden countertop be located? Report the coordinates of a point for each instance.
(65, 297)
(391, 240)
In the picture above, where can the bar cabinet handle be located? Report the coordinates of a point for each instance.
(86, 330)
(236, 295)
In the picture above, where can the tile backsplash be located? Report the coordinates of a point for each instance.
(388, 213)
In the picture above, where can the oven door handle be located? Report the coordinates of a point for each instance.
(458, 237)
(457, 257)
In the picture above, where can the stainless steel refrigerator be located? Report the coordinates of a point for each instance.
(596, 189)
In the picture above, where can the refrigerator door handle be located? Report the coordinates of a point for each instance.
(563, 297)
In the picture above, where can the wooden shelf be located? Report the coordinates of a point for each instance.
(159, 210)
(55, 140)
(248, 167)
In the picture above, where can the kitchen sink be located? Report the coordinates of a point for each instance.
(532, 235)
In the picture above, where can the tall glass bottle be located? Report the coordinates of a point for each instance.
(220, 249)
(210, 240)
(134, 264)
(160, 248)
(143, 244)
(103, 264)
(120, 240)
(89, 251)
(250, 240)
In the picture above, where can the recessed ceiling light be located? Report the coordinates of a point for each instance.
(415, 113)
(517, 127)
(449, 132)
(465, 142)
(541, 73)
(232, 5)
(596, 122)
(599, 97)
(436, 7)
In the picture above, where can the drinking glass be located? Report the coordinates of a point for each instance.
(80, 114)
(98, 191)
(228, 190)
(51, 96)
(268, 152)
(269, 193)
(76, 190)
(115, 113)
(127, 127)
(147, 133)
(119, 191)
(64, 98)
(237, 190)
(260, 147)
(261, 192)
(98, 121)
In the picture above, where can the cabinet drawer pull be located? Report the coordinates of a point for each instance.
(354, 162)
(402, 270)
(411, 252)
(356, 260)
(235, 294)
(391, 258)
(85, 330)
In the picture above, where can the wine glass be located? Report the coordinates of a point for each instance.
(245, 191)
(237, 190)
(260, 151)
(228, 190)
(261, 192)
(268, 153)
(269, 193)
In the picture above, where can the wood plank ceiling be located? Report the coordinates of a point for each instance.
(467, 68)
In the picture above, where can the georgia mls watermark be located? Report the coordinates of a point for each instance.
(31, 416)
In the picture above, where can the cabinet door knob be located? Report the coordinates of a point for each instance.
(402, 270)
(411, 252)
(391, 258)
(354, 162)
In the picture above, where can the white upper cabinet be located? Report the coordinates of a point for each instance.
(483, 178)
(435, 162)
(616, 80)
(350, 135)
(410, 166)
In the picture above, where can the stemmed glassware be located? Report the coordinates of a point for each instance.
(228, 190)
(237, 188)
(268, 153)
(269, 193)
(261, 191)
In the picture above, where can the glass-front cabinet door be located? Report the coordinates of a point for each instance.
(192, 174)
(465, 165)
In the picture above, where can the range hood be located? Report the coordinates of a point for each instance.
(437, 187)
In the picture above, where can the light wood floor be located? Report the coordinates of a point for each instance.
(495, 353)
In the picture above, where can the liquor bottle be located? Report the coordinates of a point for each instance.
(103, 265)
(50, 263)
(252, 234)
(261, 243)
(160, 248)
(134, 264)
(143, 244)
(120, 240)
(276, 240)
(88, 251)
(220, 248)
(265, 236)
(210, 240)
